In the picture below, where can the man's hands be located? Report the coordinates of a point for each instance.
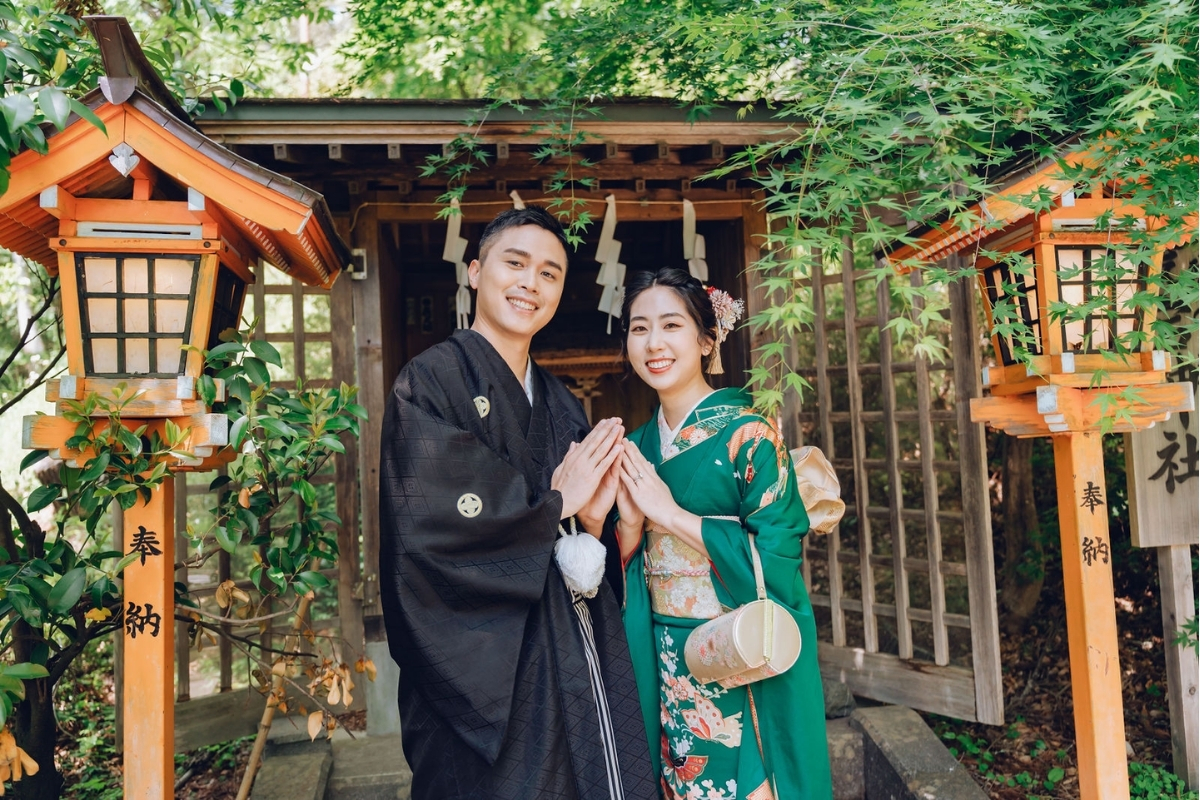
(583, 477)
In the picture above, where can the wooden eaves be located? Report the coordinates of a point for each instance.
(1001, 210)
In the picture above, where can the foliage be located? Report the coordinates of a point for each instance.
(1188, 634)
(220, 50)
(47, 61)
(87, 718)
(892, 117)
(284, 439)
(418, 49)
(30, 329)
(1152, 782)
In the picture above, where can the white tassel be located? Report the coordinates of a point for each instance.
(580, 558)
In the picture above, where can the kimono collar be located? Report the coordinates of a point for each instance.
(667, 435)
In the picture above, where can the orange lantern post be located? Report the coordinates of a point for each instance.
(152, 230)
(1072, 379)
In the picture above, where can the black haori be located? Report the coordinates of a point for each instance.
(496, 687)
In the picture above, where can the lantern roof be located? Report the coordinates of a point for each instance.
(272, 217)
(1003, 208)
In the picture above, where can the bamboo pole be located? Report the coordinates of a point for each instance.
(268, 715)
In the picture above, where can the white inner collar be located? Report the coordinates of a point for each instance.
(529, 380)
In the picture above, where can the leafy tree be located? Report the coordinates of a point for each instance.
(438, 49)
(894, 116)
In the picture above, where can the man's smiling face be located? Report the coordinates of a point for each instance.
(519, 282)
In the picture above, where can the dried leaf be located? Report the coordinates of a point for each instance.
(335, 693)
(316, 721)
(223, 593)
(370, 667)
(279, 667)
(97, 614)
(244, 497)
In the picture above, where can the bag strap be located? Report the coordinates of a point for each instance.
(768, 607)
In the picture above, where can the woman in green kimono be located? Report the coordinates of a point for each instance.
(694, 480)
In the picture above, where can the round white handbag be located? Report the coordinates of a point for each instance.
(758, 640)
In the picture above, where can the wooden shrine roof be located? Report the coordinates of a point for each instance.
(285, 223)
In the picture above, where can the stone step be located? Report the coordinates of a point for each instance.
(369, 768)
(879, 753)
(296, 776)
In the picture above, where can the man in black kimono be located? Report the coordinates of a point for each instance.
(512, 685)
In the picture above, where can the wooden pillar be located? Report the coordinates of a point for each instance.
(1091, 617)
(149, 611)
(373, 388)
(1183, 697)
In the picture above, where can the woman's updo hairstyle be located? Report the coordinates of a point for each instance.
(693, 294)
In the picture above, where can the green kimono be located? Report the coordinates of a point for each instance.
(730, 466)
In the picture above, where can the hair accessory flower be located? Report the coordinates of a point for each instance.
(728, 311)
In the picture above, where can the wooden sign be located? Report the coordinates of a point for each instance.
(1163, 471)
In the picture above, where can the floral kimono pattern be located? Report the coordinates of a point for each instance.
(764, 741)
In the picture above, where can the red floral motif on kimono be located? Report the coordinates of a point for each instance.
(757, 432)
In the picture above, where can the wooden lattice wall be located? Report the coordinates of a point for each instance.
(903, 591)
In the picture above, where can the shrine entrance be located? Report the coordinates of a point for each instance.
(904, 591)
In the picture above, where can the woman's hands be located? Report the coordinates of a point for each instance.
(630, 520)
(652, 499)
(580, 478)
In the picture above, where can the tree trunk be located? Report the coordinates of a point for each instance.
(1024, 558)
(36, 732)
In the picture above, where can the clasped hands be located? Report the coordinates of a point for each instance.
(606, 469)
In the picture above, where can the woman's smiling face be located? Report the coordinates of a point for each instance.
(665, 346)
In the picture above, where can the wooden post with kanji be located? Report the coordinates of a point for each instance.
(153, 231)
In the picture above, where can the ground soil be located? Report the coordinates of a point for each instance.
(1040, 730)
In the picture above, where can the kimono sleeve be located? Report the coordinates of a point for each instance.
(465, 548)
(770, 508)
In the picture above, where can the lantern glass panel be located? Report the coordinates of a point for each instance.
(100, 275)
(137, 315)
(102, 313)
(1020, 289)
(104, 355)
(137, 312)
(137, 356)
(169, 351)
(134, 273)
(173, 275)
(170, 316)
(227, 304)
(1107, 282)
